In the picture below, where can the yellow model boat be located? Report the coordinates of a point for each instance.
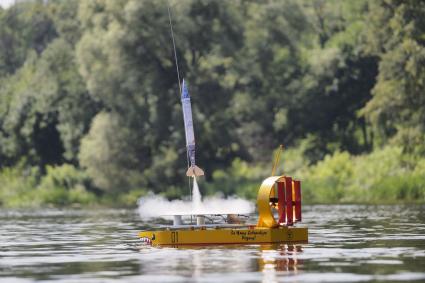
(279, 208)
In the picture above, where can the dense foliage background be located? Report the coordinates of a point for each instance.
(90, 109)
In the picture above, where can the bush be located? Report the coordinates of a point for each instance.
(64, 185)
(328, 181)
(240, 179)
(110, 154)
(17, 186)
(130, 199)
(385, 175)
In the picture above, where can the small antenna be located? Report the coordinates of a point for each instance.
(174, 46)
(276, 159)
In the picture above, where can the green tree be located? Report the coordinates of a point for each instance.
(109, 156)
(267, 73)
(46, 108)
(23, 27)
(126, 58)
(336, 83)
(396, 35)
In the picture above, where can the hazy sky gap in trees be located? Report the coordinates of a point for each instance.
(6, 3)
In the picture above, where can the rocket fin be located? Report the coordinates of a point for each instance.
(194, 171)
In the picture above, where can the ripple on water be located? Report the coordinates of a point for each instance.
(347, 243)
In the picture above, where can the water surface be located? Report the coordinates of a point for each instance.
(347, 243)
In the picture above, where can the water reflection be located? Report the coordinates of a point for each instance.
(279, 259)
(266, 263)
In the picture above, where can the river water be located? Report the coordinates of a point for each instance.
(348, 243)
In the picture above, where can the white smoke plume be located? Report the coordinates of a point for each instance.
(152, 206)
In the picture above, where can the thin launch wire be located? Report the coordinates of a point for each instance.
(174, 46)
(178, 79)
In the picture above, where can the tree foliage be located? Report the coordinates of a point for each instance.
(93, 83)
(397, 107)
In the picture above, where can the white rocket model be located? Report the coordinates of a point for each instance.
(190, 136)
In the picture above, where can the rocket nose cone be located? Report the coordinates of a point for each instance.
(185, 92)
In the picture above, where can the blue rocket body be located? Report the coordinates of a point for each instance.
(189, 133)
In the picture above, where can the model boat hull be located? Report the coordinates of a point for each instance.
(255, 235)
